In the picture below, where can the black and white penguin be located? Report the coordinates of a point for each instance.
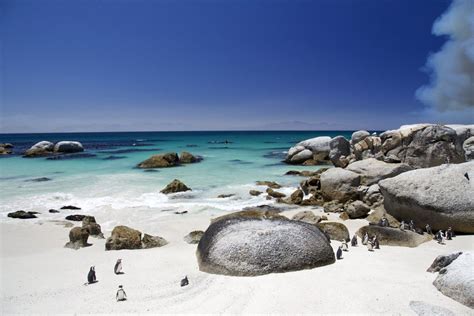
(339, 253)
(184, 281)
(118, 267)
(121, 295)
(344, 246)
(91, 278)
(354, 241)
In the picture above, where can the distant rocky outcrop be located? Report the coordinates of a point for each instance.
(311, 151)
(124, 237)
(456, 280)
(6, 149)
(174, 187)
(46, 148)
(168, 160)
(418, 145)
(394, 236)
(255, 243)
(441, 196)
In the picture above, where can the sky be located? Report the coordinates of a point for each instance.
(123, 65)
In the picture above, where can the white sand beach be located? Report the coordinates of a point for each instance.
(39, 275)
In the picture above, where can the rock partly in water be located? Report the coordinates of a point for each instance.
(78, 238)
(253, 243)
(394, 236)
(441, 196)
(53, 211)
(296, 197)
(270, 184)
(371, 170)
(42, 179)
(40, 149)
(307, 217)
(255, 192)
(334, 230)
(68, 147)
(457, 279)
(174, 187)
(75, 217)
(443, 261)
(224, 196)
(22, 215)
(274, 193)
(339, 184)
(187, 157)
(70, 207)
(160, 161)
(194, 237)
(315, 150)
(124, 237)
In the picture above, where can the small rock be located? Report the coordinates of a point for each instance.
(357, 209)
(307, 217)
(275, 194)
(255, 192)
(75, 217)
(22, 215)
(78, 238)
(70, 207)
(174, 187)
(149, 241)
(223, 196)
(194, 237)
(53, 211)
(270, 184)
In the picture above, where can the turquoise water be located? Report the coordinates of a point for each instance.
(100, 182)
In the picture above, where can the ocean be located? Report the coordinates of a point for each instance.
(104, 179)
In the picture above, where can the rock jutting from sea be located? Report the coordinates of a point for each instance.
(168, 160)
(46, 148)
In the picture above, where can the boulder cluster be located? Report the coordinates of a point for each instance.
(419, 146)
(46, 148)
(419, 173)
(124, 237)
(168, 160)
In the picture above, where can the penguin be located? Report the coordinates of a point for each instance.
(91, 278)
(466, 175)
(402, 225)
(339, 253)
(344, 246)
(412, 225)
(354, 241)
(449, 234)
(118, 267)
(365, 239)
(184, 281)
(375, 242)
(370, 247)
(428, 229)
(121, 295)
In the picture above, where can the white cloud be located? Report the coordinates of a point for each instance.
(452, 68)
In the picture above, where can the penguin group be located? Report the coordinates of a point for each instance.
(120, 295)
(440, 235)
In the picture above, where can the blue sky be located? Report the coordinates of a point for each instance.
(104, 65)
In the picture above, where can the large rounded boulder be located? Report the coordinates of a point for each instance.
(371, 170)
(334, 230)
(40, 149)
(441, 196)
(457, 279)
(78, 238)
(253, 243)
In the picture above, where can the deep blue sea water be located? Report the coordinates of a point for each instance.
(105, 177)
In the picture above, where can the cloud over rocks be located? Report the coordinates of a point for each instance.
(452, 68)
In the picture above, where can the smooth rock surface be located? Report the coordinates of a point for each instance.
(339, 184)
(256, 243)
(371, 170)
(440, 196)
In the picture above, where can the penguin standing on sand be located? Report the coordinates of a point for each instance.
(428, 229)
(365, 240)
(354, 241)
(344, 246)
(91, 278)
(118, 267)
(184, 281)
(121, 295)
(370, 246)
(339, 253)
(375, 242)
